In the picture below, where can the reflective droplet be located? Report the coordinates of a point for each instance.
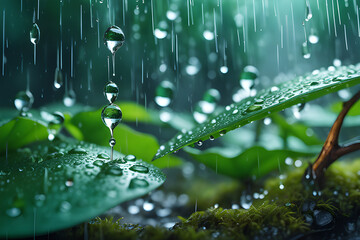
(65, 206)
(253, 108)
(212, 138)
(199, 143)
(58, 78)
(248, 77)
(112, 142)
(164, 93)
(98, 163)
(114, 170)
(114, 38)
(35, 34)
(130, 158)
(77, 150)
(23, 101)
(111, 91)
(222, 132)
(138, 183)
(103, 156)
(139, 168)
(208, 35)
(69, 183)
(111, 116)
(308, 12)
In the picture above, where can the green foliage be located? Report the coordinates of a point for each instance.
(266, 102)
(129, 141)
(54, 185)
(255, 161)
(354, 111)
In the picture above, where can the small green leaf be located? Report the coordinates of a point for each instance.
(21, 131)
(51, 186)
(266, 102)
(128, 141)
(255, 161)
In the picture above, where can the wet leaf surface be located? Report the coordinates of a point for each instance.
(299, 90)
(50, 186)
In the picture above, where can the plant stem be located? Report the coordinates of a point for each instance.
(331, 150)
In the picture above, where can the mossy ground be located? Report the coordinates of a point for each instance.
(281, 214)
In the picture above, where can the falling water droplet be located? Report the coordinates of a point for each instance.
(69, 98)
(58, 80)
(112, 142)
(111, 116)
(305, 50)
(111, 91)
(313, 36)
(35, 34)
(139, 168)
(249, 77)
(23, 101)
(114, 38)
(77, 150)
(164, 93)
(308, 12)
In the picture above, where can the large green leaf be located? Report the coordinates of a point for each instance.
(21, 131)
(128, 140)
(255, 161)
(51, 186)
(268, 101)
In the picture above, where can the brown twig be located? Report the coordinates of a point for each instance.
(331, 150)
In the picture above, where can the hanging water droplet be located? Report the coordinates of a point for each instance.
(249, 77)
(69, 98)
(160, 31)
(305, 50)
(138, 183)
(23, 101)
(308, 12)
(212, 138)
(58, 80)
(139, 168)
(199, 143)
(222, 132)
(114, 38)
(164, 93)
(112, 142)
(35, 34)
(111, 116)
(111, 91)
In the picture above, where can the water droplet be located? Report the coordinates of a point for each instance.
(248, 77)
(114, 170)
(164, 93)
(138, 183)
(111, 91)
(112, 142)
(199, 143)
(69, 98)
(58, 79)
(253, 108)
(103, 156)
(39, 199)
(98, 163)
(222, 132)
(69, 183)
(160, 31)
(212, 138)
(208, 35)
(114, 38)
(246, 200)
(139, 168)
(305, 50)
(130, 158)
(313, 36)
(65, 206)
(111, 116)
(77, 150)
(23, 101)
(308, 12)
(35, 34)
(13, 212)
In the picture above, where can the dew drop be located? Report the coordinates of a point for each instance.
(199, 143)
(130, 158)
(253, 108)
(112, 143)
(77, 150)
(13, 212)
(98, 163)
(139, 168)
(138, 183)
(69, 98)
(114, 170)
(103, 156)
